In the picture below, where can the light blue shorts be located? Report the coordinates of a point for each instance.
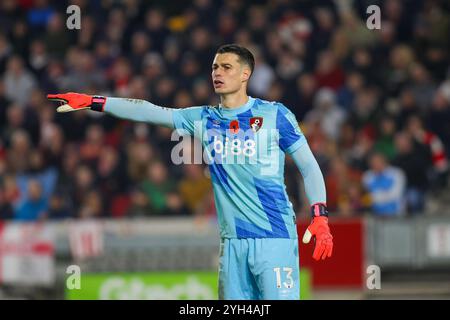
(255, 269)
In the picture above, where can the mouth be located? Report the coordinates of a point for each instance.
(218, 83)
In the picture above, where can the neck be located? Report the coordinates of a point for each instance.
(234, 100)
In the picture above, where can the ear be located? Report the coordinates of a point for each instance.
(246, 73)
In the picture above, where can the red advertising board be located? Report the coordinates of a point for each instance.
(345, 268)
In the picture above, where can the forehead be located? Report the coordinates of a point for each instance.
(226, 57)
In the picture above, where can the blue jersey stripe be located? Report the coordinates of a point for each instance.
(218, 173)
(272, 198)
(245, 229)
(219, 176)
(288, 135)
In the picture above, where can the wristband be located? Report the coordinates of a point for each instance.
(319, 210)
(98, 103)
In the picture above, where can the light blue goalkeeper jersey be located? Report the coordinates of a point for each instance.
(245, 148)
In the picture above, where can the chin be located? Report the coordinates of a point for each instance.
(223, 91)
(220, 91)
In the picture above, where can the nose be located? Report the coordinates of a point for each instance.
(216, 73)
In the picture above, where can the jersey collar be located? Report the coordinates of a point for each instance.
(234, 111)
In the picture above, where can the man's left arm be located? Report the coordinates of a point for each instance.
(293, 142)
(316, 193)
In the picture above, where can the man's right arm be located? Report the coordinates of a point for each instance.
(131, 109)
(139, 110)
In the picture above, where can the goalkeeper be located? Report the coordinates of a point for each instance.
(259, 256)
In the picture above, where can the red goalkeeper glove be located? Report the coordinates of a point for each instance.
(320, 230)
(76, 101)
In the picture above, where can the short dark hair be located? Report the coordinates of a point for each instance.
(243, 53)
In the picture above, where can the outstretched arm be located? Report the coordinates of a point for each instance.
(129, 109)
(139, 110)
(316, 193)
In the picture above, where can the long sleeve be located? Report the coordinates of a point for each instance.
(139, 110)
(312, 175)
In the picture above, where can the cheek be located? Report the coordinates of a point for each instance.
(236, 78)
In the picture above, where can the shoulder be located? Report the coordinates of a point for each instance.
(274, 106)
(195, 110)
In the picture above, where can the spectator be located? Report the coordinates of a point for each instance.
(362, 61)
(408, 107)
(38, 59)
(52, 144)
(60, 207)
(346, 95)
(40, 14)
(15, 121)
(413, 162)
(111, 179)
(328, 72)
(339, 181)
(324, 29)
(139, 154)
(56, 38)
(18, 81)
(6, 209)
(422, 86)
(20, 37)
(327, 112)
(90, 150)
(91, 206)
(11, 191)
(431, 142)
(83, 182)
(360, 152)
(401, 59)
(35, 207)
(305, 93)
(386, 186)
(140, 45)
(385, 141)
(86, 39)
(37, 170)
(158, 187)
(121, 76)
(194, 186)
(355, 29)
(365, 112)
(262, 76)
(140, 205)
(439, 116)
(18, 155)
(156, 28)
(354, 202)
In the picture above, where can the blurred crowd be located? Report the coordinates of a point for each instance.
(373, 104)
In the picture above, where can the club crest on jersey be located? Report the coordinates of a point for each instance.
(234, 126)
(256, 123)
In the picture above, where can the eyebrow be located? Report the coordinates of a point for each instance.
(222, 64)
